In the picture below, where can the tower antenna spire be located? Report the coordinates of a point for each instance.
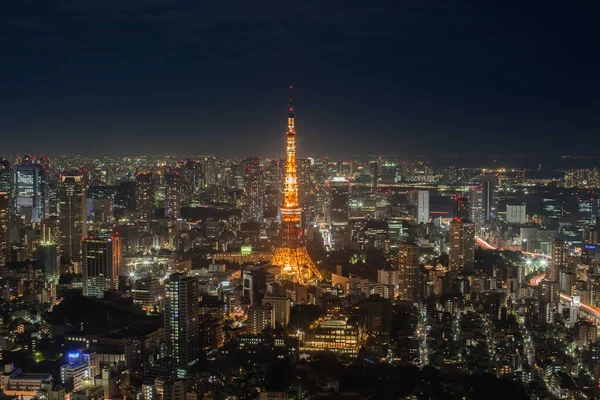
(291, 103)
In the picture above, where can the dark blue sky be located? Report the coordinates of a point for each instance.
(393, 77)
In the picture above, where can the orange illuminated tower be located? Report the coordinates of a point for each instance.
(291, 254)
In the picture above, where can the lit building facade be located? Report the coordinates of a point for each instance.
(47, 260)
(422, 206)
(462, 245)
(259, 318)
(73, 215)
(172, 193)
(101, 265)
(254, 190)
(145, 195)
(408, 272)
(182, 319)
(30, 190)
(281, 308)
(5, 191)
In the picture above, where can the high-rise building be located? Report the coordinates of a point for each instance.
(5, 192)
(340, 199)
(30, 189)
(516, 214)
(101, 265)
(476, 207)
(172, 193)
(422, 206)
(408, 272)
(182, 319)
(145, 195)
(259, 318)
(461, 207)
(274, 177)
(489, 186)
(291, 254)
(192, 183)
(73, 215)
(462, 245)
(281, 308)
(254, 190)
(560, 253)
(47, 260)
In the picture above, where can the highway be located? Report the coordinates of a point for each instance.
(535, 281)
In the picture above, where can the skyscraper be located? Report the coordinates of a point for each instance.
(181, 319)
(462, 245)
(172, 193)
(340, 199)
(408, 272)
(145, 195)
(254, 190)
(291, 254)
(47, 260)
(30, 189)
(560, 253)
(461, 207)
(73, 214)
(259, 318)
(476, 202)
(422, 206)
(516, 214)
(5, 191)
(101, 265)
(489, 185)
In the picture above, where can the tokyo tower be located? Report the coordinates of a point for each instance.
(291, 254)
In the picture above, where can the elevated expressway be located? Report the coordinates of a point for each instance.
(590, 310)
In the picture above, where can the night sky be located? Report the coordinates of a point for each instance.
(391, 77)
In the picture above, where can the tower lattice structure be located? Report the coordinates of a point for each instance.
(291, 254)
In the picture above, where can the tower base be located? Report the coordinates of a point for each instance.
(296, 265)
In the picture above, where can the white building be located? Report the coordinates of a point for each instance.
(423, 206)
(516, 214)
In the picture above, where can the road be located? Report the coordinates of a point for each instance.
(535, 281)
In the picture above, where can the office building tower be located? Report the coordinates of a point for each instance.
(489, 186)
(476, 207)
(30, 189)
(5, 181)
(291, 254)
(254, 190)
(191, 182)
(181, 319)
(340, 199)
(422, 206)
(259, 318)
(5, 193)
(274, 177)
(409, 287)
(145, 195)
(305, 182)
(101, 265)
(47, 259)
(281, 308)
(461, 207)
(462, 245)
(516, 214)
(560, 253)
(172, 193)
(73, 215)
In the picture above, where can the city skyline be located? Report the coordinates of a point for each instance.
(152, 76)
